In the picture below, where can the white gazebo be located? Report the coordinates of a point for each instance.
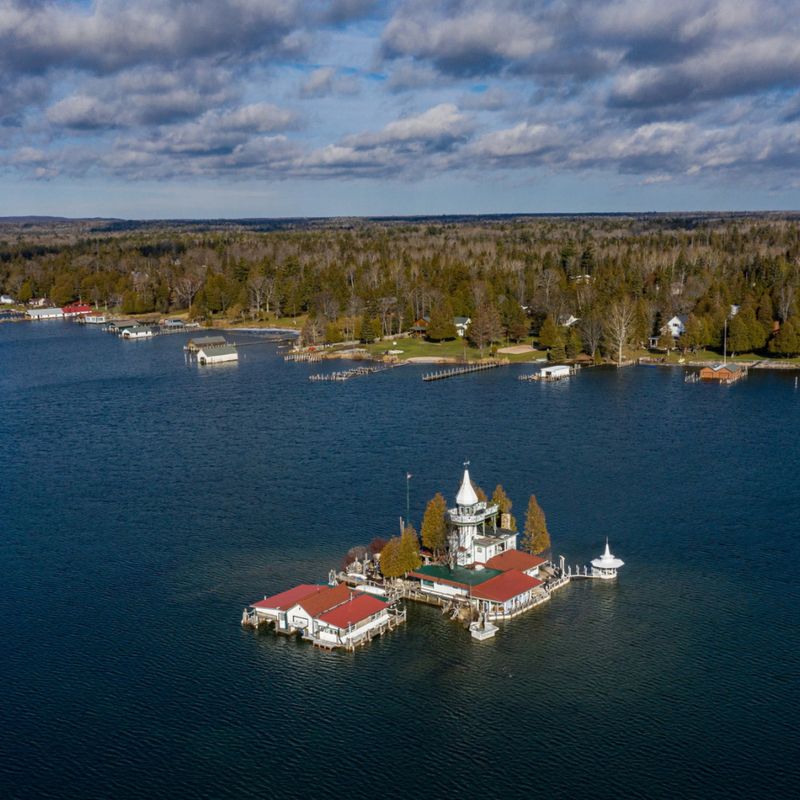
(607, 565)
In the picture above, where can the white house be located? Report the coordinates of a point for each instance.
(461, 323)
(95, 319)
(273, 609)
(568, 320)
(474, 534)
(301, 615)
(6, 300)
(677, 325)
(217, 355)
(506, 595)
(45, 313)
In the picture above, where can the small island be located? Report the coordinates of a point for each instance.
(466, 560)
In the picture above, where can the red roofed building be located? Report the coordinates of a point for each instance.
(301, 615)
(352, 621)
(517, 559)
(273, 608)
(76, 310)
(507, 594)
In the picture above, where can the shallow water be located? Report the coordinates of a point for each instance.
(145, 501)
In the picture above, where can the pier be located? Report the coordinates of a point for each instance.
(310, 358)
(345, 375)
(465, 370)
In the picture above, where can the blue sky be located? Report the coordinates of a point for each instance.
(229, 108)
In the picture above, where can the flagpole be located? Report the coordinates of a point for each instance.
(408, 497)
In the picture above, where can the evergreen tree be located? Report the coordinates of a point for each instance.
(434, 524)
(557, 353)
(765, 313)
(694, 334)
(740, 332)
(550, 334)
(369, 330)
(333, 333)
(536, 538)
(441, 325)
(503, 501)
(574, 343)
(515, 320)
(787, 341)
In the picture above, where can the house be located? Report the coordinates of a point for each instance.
(352, 621)
(44, 313)
(474, 534)
(137, 332)
(420, 326)
(95, 319)
(120, 325)
(506, 594)
(172, 323)
(677, 325)
(76, 310)
(518, 560)
(217, 355)
(724, 373)
(568, 320)
(461, 323)
(193, 345)
(37, 302)
(6, 300)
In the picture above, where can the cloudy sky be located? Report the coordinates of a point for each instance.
(196, 108)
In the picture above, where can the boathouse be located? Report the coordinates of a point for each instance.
(454, 583)
(506, 594)
(137, 332)
(519, 560)
(352, 622)
(77, 310)
(193, 345)
(274, 608)
(555, 372)
(44, 313)
(301, 616)
(724, 373)
(217, 355)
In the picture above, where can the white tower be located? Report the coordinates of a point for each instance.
(468, 522)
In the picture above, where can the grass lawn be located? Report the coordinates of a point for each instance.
(457, 348)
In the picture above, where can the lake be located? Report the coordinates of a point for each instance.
(146, 501)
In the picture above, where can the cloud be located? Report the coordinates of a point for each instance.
(326, 81)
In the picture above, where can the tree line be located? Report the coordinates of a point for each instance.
(621, 277)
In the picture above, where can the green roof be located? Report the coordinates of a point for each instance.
(470, 577)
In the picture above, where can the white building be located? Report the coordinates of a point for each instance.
(474, 535)
(217, 355)
(607, 565)
(95, 319)
(554, 372)
(6, 300)
(677, 325)
(45, 313)
(462, 323)
(137, 332)
(351, 622)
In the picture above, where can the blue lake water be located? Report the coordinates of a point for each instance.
(145, 501)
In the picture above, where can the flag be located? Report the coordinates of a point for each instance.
(409, 476)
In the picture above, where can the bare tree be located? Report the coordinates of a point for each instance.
(187, 287)
(618, 325)
(591, 328)
(785, 301)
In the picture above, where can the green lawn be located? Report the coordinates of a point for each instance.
(457, 348)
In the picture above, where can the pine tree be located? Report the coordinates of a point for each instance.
(368, 330)
(503, 501)
(441, 325)
(535, 537)
(574, 343)
(434, 525)
(787, 341)
(549, 334)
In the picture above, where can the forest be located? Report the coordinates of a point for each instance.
(622, 277)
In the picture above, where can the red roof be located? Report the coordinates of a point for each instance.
(325, 599)
(515, 559)
(284, 600)
(78, 308)
(505, 586)
(353, 611)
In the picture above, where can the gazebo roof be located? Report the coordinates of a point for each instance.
(607, 560)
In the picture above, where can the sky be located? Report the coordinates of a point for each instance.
(273, 108)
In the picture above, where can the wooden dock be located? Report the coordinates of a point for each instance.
(345, 375)
(465, 370)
